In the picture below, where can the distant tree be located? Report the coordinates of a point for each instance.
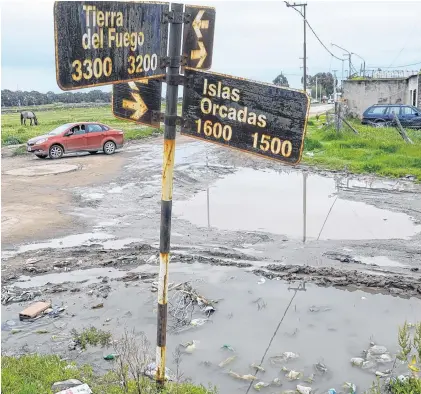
(281, 80)
(18, 98)
(308, 80)
(325, 81)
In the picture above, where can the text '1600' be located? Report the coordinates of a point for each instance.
(255, 117)
(109, 41)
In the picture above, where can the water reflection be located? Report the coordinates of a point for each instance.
(274, 202)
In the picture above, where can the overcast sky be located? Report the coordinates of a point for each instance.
(253, 39)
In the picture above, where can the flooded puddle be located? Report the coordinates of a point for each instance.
(272, 201)
(381, 261)
(322, 325)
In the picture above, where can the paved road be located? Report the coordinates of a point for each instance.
(319, 109)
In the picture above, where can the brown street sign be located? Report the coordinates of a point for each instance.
(198, 36)
(138, 101)
(260, 118)
(104, 42)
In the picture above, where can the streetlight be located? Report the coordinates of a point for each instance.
(353, 53)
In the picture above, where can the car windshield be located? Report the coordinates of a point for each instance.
(60, 129)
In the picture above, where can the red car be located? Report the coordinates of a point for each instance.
(76, 137)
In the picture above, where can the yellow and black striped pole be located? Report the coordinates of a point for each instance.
(167, 187)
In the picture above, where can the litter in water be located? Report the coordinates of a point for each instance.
(257, 367)
(150, 371)
(242, 377)
(294, 375)
(227, 361)
(303, 389)
(228, 347)
(260, 385)
(351, 387)
(34, 310)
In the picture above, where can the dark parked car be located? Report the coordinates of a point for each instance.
(76, 137)
(381, 114)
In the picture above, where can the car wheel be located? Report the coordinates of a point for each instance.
(93, 152)
(56, 152)
(109, 148)
(41, 156)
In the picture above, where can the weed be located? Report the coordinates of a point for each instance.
(11, 140)
(91, 336)
(21, 150)
(404, 342)
(417, 340)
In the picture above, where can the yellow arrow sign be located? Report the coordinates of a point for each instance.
(198, 24)
(199, 54)
(138, 106)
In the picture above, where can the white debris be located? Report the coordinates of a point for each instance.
(260, 385)
(377, 350)
(261, 281)
(294, 375)
(357, 361)
(303, 389)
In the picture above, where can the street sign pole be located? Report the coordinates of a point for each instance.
(167, 187)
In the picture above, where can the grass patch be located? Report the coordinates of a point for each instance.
(91, 336)
(21, 150)
(378, 151)
(35, 374)
(14, 133)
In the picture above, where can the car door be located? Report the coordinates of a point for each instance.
(391, 110)
(408, 113)
(95, 135)
(76, 141)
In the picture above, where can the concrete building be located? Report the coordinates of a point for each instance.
(359, 94)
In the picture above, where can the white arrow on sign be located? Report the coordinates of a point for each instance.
(198, 24)
(199, 54)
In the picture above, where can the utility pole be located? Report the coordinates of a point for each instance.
(334, 85)
(303, 14)
(347, 54)
(316, 88)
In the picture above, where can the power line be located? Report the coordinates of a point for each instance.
(275, 332)
(308, 24)
(406, 42)
(405, 65)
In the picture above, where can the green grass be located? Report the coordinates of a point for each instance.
(14, 133)
(379, 151)
(91, 336)
(35, 374)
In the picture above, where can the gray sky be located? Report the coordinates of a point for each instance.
(253, 39)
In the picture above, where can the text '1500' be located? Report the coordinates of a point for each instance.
(259, 118)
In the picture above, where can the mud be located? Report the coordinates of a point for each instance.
(322, 325)
(237, 220)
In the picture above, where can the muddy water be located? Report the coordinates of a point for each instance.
(344, 326)
(272, 201)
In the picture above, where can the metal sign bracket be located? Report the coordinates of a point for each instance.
(176, 17)
(176, 61)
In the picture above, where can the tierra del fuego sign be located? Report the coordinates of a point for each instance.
(103, 42)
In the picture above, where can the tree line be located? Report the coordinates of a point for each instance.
(25, 99)
(325, 83)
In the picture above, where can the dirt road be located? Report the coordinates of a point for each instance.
(36, 203)
(241, 225)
